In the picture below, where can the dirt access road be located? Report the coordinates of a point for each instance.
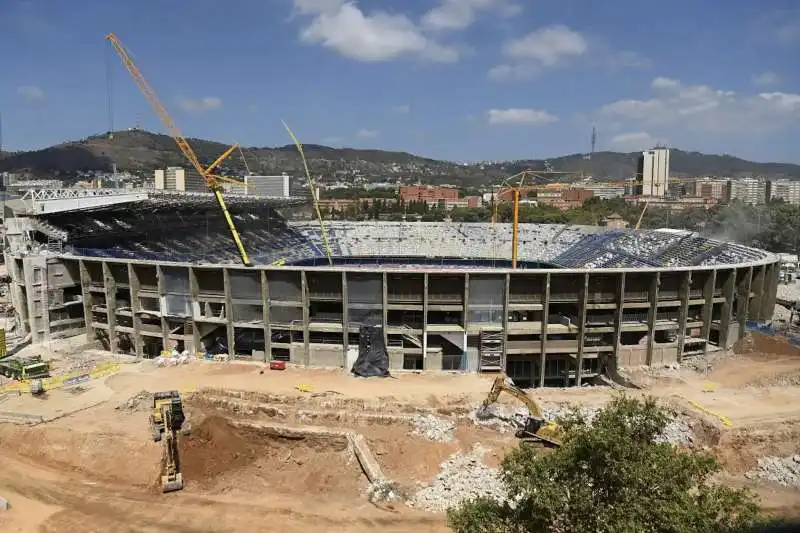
(96, 470)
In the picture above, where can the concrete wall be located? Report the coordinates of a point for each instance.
(184, 303)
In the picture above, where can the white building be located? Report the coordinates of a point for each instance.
(179, 179)
(275, 186)
(786, 190)
(655, 172)
(752, 191)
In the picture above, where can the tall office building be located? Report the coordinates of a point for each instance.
(653, 172)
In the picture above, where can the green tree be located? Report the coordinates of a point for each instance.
(611, 476)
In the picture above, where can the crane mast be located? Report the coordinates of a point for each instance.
(211, 180)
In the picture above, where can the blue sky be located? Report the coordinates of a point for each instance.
(451, 79)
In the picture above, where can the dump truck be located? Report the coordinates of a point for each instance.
(535, 429)
(157, 422)
(24, 368)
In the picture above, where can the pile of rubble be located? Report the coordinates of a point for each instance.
(784, 471)
(463, 477)
(433, 428)
(134, 401)
(506, 419)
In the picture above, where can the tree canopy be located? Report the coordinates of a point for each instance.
(611, 475)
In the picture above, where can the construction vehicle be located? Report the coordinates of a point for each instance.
(158, 424)
(212, 181)
(535, 429)
(37, 387)
(24, 368)
(172, 417)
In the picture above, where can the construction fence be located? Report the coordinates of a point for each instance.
(71, 379)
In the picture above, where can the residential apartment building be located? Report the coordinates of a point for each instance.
(427, 193)
(605, 190)
(786, 190)
(179, 179)
(755, 191)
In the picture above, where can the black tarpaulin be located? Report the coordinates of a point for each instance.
(373, 359)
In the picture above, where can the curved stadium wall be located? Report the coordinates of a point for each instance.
(582, 301)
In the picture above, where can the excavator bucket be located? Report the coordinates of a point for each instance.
(171, 483)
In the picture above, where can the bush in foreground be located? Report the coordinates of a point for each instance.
(611, 476)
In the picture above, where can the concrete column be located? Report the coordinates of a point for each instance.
(759, 279)
(265, 313)
(619, 316)
(345, 321)
(86, 281)
(770, 291)
(708, 307)
(652, 315)
(743, 306)
(584, 293)
(230, 334)
(729, 290)
(385, 308)
(133, 281)
(194, 302)
(425, 321)
(506, 291)
(162, 306)
(466, 303)
(543, 336)
(306, 334)
(110, 289)
(683, 312)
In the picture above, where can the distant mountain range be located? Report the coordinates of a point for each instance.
(141, 152)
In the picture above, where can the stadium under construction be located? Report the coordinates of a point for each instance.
(149, 272)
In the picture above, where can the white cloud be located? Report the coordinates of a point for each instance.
(331, 140)
(634, 141)
(460, 14)
(520, 116)
(403, 109)
(378, 36)
(367, 134)
(30, 93)
(766, 79)
(544, 48)
(208, 103)
(704, 108)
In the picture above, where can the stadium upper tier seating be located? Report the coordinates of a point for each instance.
(199, 235)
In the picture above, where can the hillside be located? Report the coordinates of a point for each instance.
(142, 152)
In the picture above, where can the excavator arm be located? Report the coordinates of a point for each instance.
(171, 477)
(537, 428)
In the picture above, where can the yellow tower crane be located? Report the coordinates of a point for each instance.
(212, 180)
(515, 188)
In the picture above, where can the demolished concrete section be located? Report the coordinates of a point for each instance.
(784, 471)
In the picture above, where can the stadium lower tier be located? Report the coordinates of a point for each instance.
(542, 326)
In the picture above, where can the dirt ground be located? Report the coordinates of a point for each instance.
(94, 467)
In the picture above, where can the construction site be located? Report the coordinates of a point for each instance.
(355, 375)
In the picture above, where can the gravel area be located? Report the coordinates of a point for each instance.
(463, 477)
(433, 428)
(784, 471)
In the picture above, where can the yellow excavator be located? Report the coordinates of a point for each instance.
(536, 429)
(166, 421)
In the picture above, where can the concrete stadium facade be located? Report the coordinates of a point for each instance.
(548, 326)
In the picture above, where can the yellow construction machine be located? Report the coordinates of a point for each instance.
(166, 421)
(536, 429)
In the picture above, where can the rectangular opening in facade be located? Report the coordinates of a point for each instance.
(284, 286)
(405, 289)
(210, 282)
(148, 279)
(324, 286)
(446, 289)
(602, 288)
(245, 285)
(525, 288)
(249, 343)
(486, 299)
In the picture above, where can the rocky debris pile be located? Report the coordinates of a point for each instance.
(432, 427)
(677, 432)
(505, 418)
(134, 401)
(784, 471)
(463, 477)
(383, 491)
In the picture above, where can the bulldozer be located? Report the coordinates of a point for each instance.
(157, 423)
(536, 429)
(166, 422)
